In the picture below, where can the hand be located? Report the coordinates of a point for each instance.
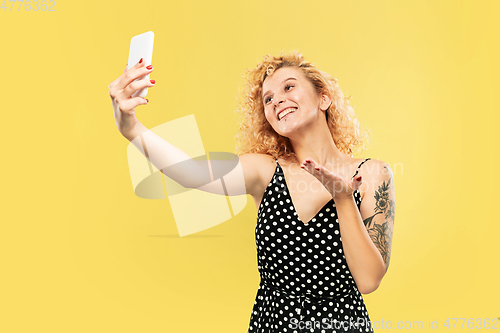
(338, 187)
(121, 91)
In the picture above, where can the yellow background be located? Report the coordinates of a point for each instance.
(81, 253)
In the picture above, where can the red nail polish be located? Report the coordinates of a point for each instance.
(149, 67)
(147, 100)
(152, 81)
(140, 61)
(358, 179)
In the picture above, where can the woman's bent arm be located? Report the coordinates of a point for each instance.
(364, 260)
(367, 232)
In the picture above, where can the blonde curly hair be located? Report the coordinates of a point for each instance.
(256, 134)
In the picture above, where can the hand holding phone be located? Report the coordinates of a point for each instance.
(125, 97)
(141, 46)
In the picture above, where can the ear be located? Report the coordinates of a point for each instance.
(326, 101)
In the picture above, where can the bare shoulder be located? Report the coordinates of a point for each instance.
(257, 162)
(258, 169)
(374, 167)
(257, 158)
(373, 172)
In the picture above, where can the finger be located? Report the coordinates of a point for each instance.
(129, 105)
(309, 163)
(319, 172)
(358, 180)
(324, 171)
(112, 86)
(132, 74)
(309, 167)
(310, 160)
(135, 86)
(117, 85)
(356, 183)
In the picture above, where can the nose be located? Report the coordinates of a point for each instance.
(278, 100)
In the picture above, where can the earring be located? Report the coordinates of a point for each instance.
(269, 70)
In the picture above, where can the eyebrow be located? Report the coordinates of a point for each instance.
(290, 78)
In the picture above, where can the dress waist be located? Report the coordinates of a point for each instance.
(306, 296)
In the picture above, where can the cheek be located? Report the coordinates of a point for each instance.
(268, 115)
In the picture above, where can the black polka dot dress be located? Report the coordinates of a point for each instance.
(306, 285)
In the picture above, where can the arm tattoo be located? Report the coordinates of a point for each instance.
(368, 221)
(381, 234)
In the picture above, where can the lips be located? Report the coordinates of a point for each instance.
(283, 113)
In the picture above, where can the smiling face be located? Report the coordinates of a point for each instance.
(291, 101)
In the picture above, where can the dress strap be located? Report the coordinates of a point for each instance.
(359, 166)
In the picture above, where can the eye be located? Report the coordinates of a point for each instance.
(268, 99)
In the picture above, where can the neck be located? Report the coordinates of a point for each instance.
(320, 146)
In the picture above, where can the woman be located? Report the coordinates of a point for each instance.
(325, 219)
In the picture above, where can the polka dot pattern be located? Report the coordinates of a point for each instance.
(306, 285)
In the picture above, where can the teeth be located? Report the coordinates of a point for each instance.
(287, 111)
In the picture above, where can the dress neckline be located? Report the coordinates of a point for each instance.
(293, 204)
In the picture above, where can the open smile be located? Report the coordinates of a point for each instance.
(285, 112)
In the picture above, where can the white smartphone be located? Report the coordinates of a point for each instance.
(141, 46)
